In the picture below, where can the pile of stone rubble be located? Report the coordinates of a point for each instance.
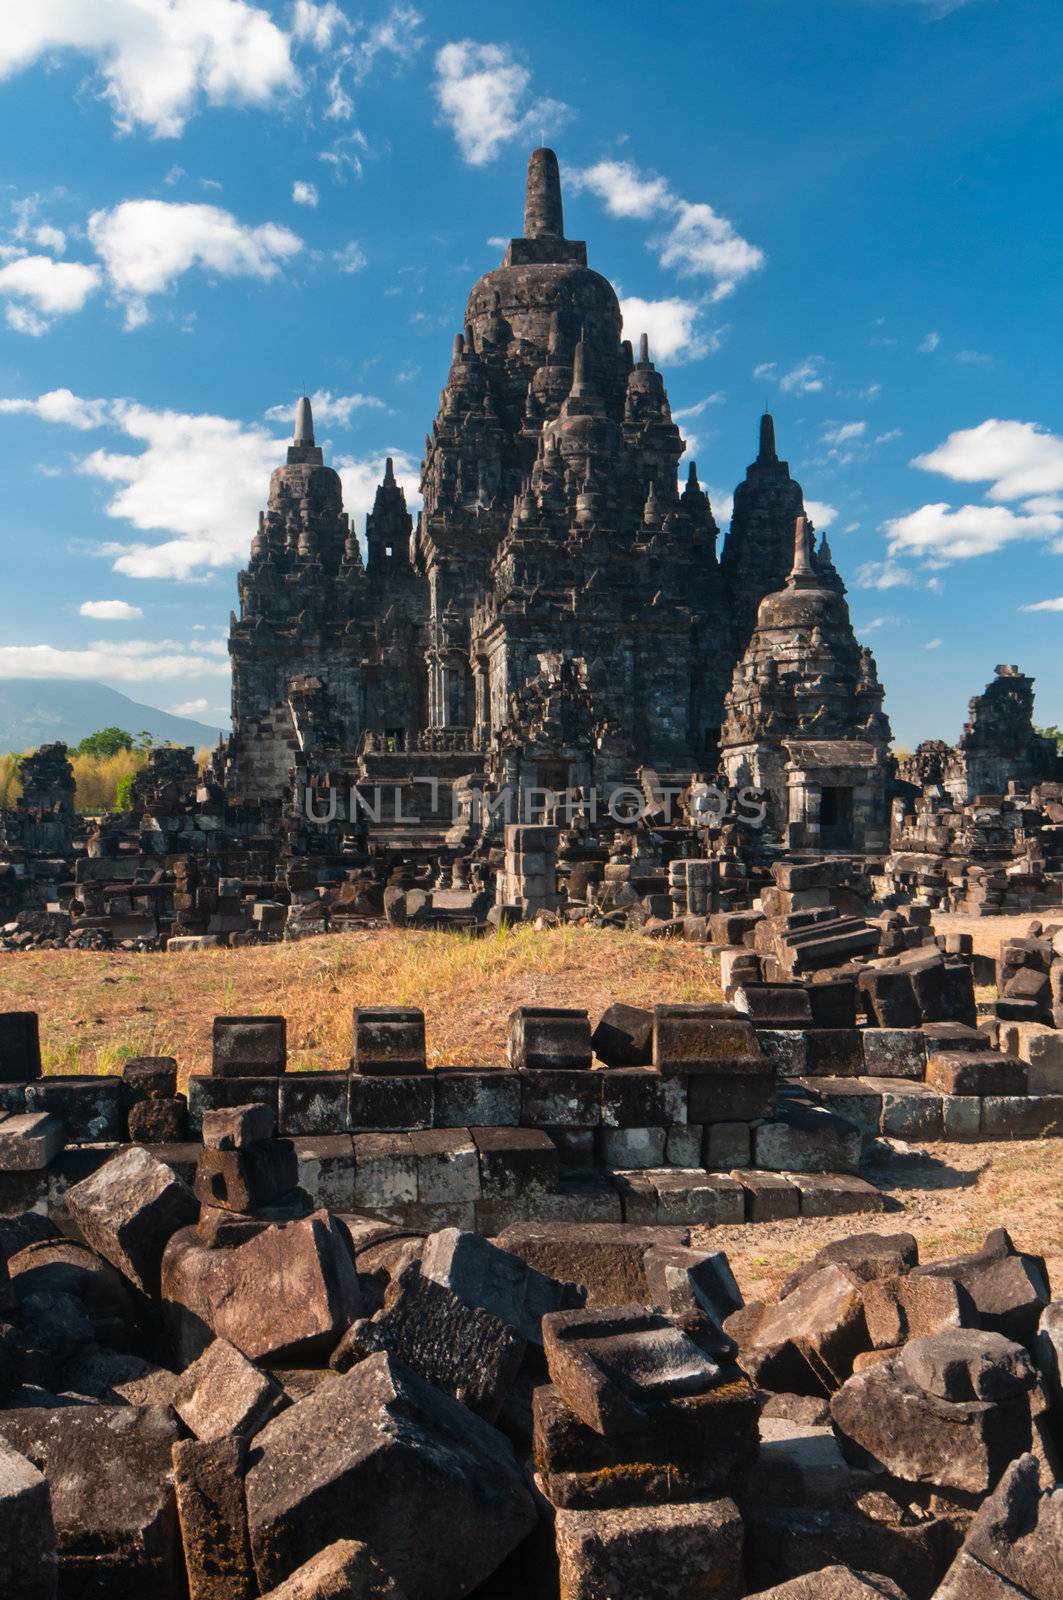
(204, 1392)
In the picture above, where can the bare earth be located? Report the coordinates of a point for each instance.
(96, 1010)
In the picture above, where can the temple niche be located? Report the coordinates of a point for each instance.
(560, 616)
(804, 719)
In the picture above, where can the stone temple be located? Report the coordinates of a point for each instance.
(559, 616)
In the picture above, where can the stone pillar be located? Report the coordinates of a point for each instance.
(529, 875)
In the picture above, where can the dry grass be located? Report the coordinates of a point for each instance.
(950, 1202)
(97, 1009)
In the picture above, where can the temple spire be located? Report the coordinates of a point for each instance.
(304, 422)
(543, 213)
(767, 439)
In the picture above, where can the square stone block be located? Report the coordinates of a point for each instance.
(92, 1110)
(515, 1162)
(385, 1172)
(482, 1099)
(638, 1097)
(388, 1041)
(20, 1046)
(705, 1039)
(390, 1104)
(549, 1038)
(894, 1052)
(208, 1093)
(561, 1099)
(249, 1047)
(634, 1148)
(448, 1167)
(326, 1169)
(313, 1103)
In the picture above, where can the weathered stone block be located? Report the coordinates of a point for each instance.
(289, 1291)
(28, 1564)
(975, 1072)
(313, 1103)
(669, 1552)
(638, 1097)
(223, 1394)
(448, 1168)
(20, 1046)
(385, 1172)
(344, 1570)
(559, 1099)
(207, 1093)
(632, 1148)
(769, 1197)
(244, 1179)
(624, 1036)
(430, 1488)
(128, 1210)
(894, 1052)
(389, 1041)
(249, 1047)
(727, 1145)
(208, 1478)
(110, 1478)
(28, 1142)
(515, 1162)
(487, 1099)
(92, 1110)
(707, 1039)
(390, 1104)
(549, 1039)
(325, 1170)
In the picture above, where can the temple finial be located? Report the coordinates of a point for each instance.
(543, 212)
(389, 470)
(304, 422)
(802, 567)
(644, 349)
(767, 438)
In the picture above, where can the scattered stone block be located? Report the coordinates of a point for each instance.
(344, 1570)
(680, 1551)
(429, 1487)
(624, 1036)
(237, 1127)
(835, 1583)
(28, 1142)
(708, 1039)
(20, 1046)
(28, 1563)
(245, 1179)
(807, 1342)
(604, 1259)
(689, 1447)
(222, 1394)
(967, 1072)
(110, 1479)
(129, 1210)
(208, 1479)
(288, 1292)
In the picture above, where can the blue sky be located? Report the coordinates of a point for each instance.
(847, 209)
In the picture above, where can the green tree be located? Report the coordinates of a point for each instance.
(123, 794)
(105, 742)
(1052, 732)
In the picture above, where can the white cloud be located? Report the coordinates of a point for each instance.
(352, 258)
(930, 344)
(483, 95)
(146, 244)
(875, 624)
(699, 242)
(937, 533)
(822, 514)
(723, 504)
(190, 708)
(702, 242)
(1046, 605)
(933, 644)
(109, 610)
(158, 58)
(887, 438)
(36, 288)
(622, 189)
(200, 478)
(883, 575)
(140, 661)
(60, 405)
(699, 406)
(844, 432)
(304, 194)
(318, 25)
(805, 378)
(49, 238)
(1017, 459)
(673, 326)
(328, 407)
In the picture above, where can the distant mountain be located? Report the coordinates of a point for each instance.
(36, 711)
